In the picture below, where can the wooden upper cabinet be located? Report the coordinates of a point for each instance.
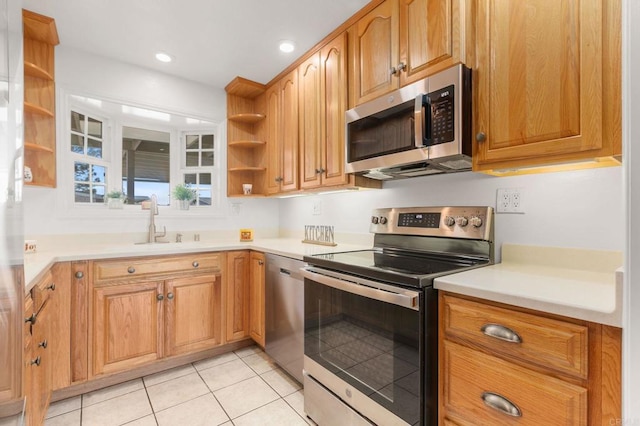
(402, 41)
(289, 131)
(374, 52)
(273, 139)
(309, 121)
(548, 82)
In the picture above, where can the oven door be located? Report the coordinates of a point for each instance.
(364, 342)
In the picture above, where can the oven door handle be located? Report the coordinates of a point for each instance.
(377, 291)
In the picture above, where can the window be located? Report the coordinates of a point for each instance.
(90, 169)
(115, 147)
(199, 163)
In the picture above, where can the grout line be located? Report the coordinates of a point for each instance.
(113, 397)
(213, 394)
(153, 411)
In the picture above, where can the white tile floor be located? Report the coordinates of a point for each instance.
(239, 388)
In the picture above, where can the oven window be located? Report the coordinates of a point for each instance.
(372, 345)
(386, 132)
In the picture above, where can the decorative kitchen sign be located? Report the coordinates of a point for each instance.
(246, 234)
(319, 234)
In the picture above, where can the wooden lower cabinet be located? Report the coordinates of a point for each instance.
(501, 364)
(237, 295)
(193, 314)
(127, 326)
(256, 298)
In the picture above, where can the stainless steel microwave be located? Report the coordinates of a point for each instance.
(423, 128)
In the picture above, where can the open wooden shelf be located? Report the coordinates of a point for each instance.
(247, 117)
(247, 144)
(37, 109)
(31, 146)
(36, 71)
(247, 169)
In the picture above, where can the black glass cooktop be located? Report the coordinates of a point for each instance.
(401, 268)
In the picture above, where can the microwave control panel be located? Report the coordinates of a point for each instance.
(442, 115)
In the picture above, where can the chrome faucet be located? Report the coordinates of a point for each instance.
(153, 209)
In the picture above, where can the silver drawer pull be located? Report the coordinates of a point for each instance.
(79, 274)
(195, 264)
(500, 403)
(501, 332)
(43, 344)
(36, 361)
(131, 270)
(51, 287)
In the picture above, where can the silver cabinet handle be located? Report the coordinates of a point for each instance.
(79, 274)
(195, 264)
(401, 66)
(32, 318)
(36, 361)
(481, 137)
(393, 71)
(170, 296)
(159, 297)
(501, 332)
(500, 403)
(43, 344)
(260, 262)
(131, 269)
(51, 287)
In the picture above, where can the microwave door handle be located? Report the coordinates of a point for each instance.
(409, 300)
(418, 121)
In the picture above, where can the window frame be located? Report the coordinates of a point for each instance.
(112, 132)
(214, 170)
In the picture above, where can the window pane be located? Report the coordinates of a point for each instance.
(205, 179)
(77, 122)
(145, 165)
(190, 179)
(94, 148)
(77, 144)
(98, 194)
(207, 141)
(98, 174)
(95, 127)
(207, 158)
(193, 142)
(192, 159)
(82, 193)
(82, 172)
(204, 198)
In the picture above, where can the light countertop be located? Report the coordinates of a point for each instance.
(577, 283)
(35, 264)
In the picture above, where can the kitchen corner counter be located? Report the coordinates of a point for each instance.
(36, 264)
(576, 283)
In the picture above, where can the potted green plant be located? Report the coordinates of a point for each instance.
(184, 194)
(115, 199)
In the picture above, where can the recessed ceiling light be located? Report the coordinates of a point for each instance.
(164, 57)
(287, 46)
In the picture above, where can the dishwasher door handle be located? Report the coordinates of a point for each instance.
(285, 271)
(366, 288)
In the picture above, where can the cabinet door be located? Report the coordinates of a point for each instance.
(237, 295)
(432, 36)
(333, 90)
(274, 147)
(126, 329)
(60, 341)
(289, 131)
(256, 298)
(539, 82)
(193, 313)
(10, 346)
(309, 122)
(42, 365)
(374, 53)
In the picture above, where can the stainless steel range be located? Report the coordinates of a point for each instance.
(371, 316)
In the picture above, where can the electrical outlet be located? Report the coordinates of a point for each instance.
(317, 207)
(235, 209)
(509, 200)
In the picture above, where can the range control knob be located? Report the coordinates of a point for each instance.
(475, 221)
(462, 221)
(383, 220)
(449, 221)
(374, 220)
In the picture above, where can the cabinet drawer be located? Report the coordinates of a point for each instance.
(476, 383)
(548, 343)
(40, 292)
(134, 268)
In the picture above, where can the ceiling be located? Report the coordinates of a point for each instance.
(212, 41)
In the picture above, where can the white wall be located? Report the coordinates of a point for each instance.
(582, 209)
(85, 74)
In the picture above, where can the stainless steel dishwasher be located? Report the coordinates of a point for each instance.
(284, 313)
